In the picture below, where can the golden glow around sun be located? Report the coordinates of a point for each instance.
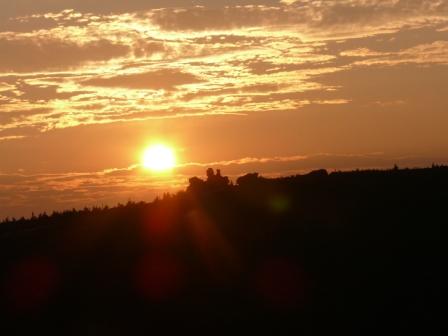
(159, 158)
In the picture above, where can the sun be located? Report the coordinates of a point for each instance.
(159, 158)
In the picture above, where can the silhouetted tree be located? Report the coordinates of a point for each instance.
(248, 180)
(214, 182)
(195, 184)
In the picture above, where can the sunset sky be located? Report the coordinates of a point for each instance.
(277, 87)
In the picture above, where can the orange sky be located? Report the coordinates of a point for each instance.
(277, 87)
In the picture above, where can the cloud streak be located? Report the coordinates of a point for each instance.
(32, 55)
(167, 79)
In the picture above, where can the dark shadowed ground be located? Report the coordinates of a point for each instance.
(360, 253)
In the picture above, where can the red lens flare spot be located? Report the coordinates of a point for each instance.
(159, 225)
(281, 284)
(159, 277)
(30, 284)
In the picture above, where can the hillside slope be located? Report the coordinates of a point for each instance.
(358, 252)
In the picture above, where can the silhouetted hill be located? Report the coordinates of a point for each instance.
(361, 253)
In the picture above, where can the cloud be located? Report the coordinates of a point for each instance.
(27, 7)
(255, 88)
(41, 92)
(23, 193)
(371, 12)
(17, 132)
(166, 79)
(11, 137)
(203, 18)
(7, 117)
(32, 54)
(172, 59)
(307, 14)
(27, 24)
(432, 53)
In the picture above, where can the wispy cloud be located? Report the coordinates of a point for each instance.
(53, 54)
(166, 79)
(95, 65)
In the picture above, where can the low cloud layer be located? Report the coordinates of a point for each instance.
(22, 194)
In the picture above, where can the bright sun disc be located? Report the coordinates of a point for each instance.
(159, 158)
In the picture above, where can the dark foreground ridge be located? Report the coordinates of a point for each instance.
(360, 253)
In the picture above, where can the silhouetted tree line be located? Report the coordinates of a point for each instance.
(359, 253)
